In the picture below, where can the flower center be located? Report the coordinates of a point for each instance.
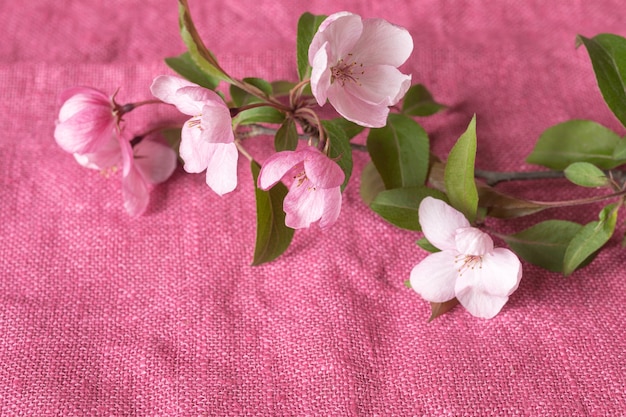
(301, 178)
(346, 71)
(195, 121)
(468, 262)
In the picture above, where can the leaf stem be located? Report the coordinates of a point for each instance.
(495, 177)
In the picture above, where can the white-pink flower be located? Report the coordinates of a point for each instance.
(207, 139)
(144, 165)
(315, 189)
(468, 267)
(86, 121)
(354, 65)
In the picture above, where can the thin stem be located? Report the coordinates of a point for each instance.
(296, 92)
(243, 150)
(495, 177)
(131, 106)
(580, 201)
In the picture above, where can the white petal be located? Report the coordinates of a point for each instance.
(320, 75)
(342, 31)
(472, 241)
(194, 150)
(355, 109)
(380, 84)
(165, 88)
(434, 278)
(439, 222)
(221, 173)
(217, 123)
(383, 43)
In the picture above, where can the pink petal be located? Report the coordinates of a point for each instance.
(136, 193)
(77, 99)
(194, 150)
(471, 241)
(165, 88)
(217, 123)
(380, 84)
(303, 205)
(320, 75)
(107, 156)
(85, 131)
(192, 100)
(321, 170)
(484, 289)
(221, 174)
(439, 222)
(276, 166)
(342, 31)
(382, 43)
(332, 207)
(435, 276)
(355, 109)
(154, 161)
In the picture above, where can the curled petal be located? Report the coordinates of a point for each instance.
(383, 43)
(77, 99)
(321, 170)
(341, 31)
(276, 166)
(435, 276)
(355, 109)
(320, 75)
(471, 241)
(221, 174)
(303, 205)
(165, 88)
(440, 222)
(193, 148)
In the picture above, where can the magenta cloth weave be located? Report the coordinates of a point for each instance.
(104, 315)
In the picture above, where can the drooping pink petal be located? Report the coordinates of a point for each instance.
(439, 222)
(217, 123)
(382, 43)
(435, 276)
(355, 109)
(276, 166)
(221, 174)
(154, 161)
(303, 205)
(193, 148)
(321, 170)
(136, 192)
(472, 241)
(332, 207)
(380, 85)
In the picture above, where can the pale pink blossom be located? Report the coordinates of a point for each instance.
(468, 267)
(314, 189)
(354, 65)
(86, 121)
(144, 165)
(207, 139)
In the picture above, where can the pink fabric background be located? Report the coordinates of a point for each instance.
(101, 314)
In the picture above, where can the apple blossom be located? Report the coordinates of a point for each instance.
(315, 189)
(468, 267)
(354, 65)
(86, 120)
(207, 139)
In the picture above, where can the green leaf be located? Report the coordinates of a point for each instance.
(586, 175)
(399, 206)
(545, 243)
(187, 68)
(261, 84)
(427, 246)
(400, 152)
(608, 57)
(619, 153)
(349, 128)
(307, 27)
(263, 114)
(419, 102)
(590, 239)
(282, 87)
(371, 183)
(340, 150)
(272, 236)
(201, 56)
(459, 173)
(287, 136)
(576, 141)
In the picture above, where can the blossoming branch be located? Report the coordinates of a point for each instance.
(352, 65)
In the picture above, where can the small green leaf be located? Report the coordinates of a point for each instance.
(263, 114)
(545, 243)
(286, 138)
(590, 239)
(282, 87)
(419, 102)
(576, 141)
(186, 67)
(371, 183)
(400, 152)
(201, 56)
(261, 84)
(427, 246)
(272, 236)
(307, 27)
(399, 206)
(459, 173)
(340, 150)
(608, 57)
(586, 175)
